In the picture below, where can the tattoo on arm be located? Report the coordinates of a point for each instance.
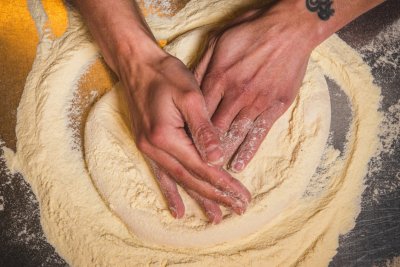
(322, 7)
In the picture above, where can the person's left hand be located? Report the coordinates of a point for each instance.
(250, 74)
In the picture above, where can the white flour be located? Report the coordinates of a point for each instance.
(383, 51)
(85, 231)
(297, 140)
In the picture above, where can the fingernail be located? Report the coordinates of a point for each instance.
(213, 218)
(237, 166)
(173, 212)
(217, 162)
(239, 207)
(215, 155)
(216, 220)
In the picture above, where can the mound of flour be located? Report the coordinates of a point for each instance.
(277, 177)
(86, 222)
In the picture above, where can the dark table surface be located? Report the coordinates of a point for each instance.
(375, 240)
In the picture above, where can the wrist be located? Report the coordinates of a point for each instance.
(133, 49)
(318, 21)
(122, 37)
(306, 27)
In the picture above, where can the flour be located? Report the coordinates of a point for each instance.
(20, 219)
(383, 55)
(297, 139)
(382, 186)
(86, 229)
(383, 51)
(164, 5)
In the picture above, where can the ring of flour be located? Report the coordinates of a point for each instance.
(276, 177)
(83, 228)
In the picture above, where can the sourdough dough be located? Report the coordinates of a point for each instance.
(89, 227)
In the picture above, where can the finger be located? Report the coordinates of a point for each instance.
(177, 148)
(235, 136)
(254, 138)
(204, 134)
(169, 190)
(188, 181)
(240, 127)
(202, 66)
(224, 115)
(213, 91)
(211, 209)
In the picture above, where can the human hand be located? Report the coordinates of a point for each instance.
(163, 98)
(263, 50)
(250, 74)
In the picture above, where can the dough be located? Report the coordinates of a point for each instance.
(277, 176)
(79, 211)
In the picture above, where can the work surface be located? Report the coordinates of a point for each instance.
(376, 236)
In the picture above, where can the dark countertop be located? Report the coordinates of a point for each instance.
(375, 240)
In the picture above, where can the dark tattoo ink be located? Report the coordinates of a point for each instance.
(322, 7)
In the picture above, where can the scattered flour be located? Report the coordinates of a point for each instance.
(86, 230)
(164, 6)
(383, 52)
(20, 220)
(382, 186)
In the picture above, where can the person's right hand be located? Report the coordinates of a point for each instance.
(164, 100)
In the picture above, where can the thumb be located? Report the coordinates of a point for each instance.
(205, 136)
(202, 65)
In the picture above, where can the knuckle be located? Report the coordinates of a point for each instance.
(282, 104)
(283, 100)
(157, 136)
(246, 85)
(204, 133)
(179, 174)
(259, 106)
(192, 98)
(217, 77)
(143, 144)
(286, 99)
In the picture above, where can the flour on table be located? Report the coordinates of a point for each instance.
(383, 51)
(84, 220)
(126, 183)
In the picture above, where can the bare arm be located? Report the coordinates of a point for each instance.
(160, 106)
(119, 29)
(344, 13)
(253, 68)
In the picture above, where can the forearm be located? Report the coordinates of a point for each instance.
(345, 11)
(119, 29)
(310, 27)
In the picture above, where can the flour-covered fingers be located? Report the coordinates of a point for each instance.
(183, 177)
(240, 127)
(226, 112)
(255, 137)
(210, 208)
(235, 136)
(192, 106)
(170, 191)
(217, 177)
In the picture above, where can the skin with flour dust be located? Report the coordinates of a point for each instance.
(249, 75)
